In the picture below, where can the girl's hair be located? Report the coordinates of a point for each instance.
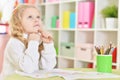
(16, 29)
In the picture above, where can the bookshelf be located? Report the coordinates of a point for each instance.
(74, 38)
(71, 39)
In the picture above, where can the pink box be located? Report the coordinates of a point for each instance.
(58, 23)
(80, 15)
(84, 51)
(85, 14)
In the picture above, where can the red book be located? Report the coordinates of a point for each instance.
(90, 65)
(114, 55)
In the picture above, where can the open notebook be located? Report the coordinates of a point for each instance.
(68, 74)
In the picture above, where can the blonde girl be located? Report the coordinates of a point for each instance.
(29, 48)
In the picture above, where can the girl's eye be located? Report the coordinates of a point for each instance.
(29, 16)
(38, 17)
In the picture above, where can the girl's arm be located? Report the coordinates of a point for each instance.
(48, 56)
(22, 58)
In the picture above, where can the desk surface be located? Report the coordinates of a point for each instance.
(19, 77)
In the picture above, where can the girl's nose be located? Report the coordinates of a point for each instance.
(36, 19)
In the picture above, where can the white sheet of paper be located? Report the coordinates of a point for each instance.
(68, 74)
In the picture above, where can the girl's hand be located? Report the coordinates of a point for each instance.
(34, 36)
(46, 37)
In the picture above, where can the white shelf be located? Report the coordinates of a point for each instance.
(66, 57)
(67, 1)
(106, 30)
(89, 61)
(97, 35)
(86, 29)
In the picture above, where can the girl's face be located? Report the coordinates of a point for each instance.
(31, 21)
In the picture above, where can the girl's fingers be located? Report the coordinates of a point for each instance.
(46, 35)
(47, 40)
(34, 36)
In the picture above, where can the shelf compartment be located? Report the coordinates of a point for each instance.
(103, 38)
(67, 36)
(42, 12)
(99, 19)
(68, 15)
(86, 14)
(85, 37)
(66, 63)
(52, 15)
(67, 49)
(83, 64)
(84, 51)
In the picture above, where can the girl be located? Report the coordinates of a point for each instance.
(29, 48)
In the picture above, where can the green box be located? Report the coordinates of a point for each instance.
(67, 49)
(104, 63)
(53, 21)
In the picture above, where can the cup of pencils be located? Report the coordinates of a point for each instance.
(104, 59)
(104, 63)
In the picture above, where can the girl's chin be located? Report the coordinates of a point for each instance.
(32, 32)
(36, 31)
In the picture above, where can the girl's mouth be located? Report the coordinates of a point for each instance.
(36, 26)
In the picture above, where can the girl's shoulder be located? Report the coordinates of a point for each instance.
(12, 39)
(15, 41)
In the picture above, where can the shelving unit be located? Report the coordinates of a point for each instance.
(97, 35)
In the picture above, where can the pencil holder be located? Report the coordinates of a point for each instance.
(104, 63)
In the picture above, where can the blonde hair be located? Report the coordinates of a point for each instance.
(16, 29)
